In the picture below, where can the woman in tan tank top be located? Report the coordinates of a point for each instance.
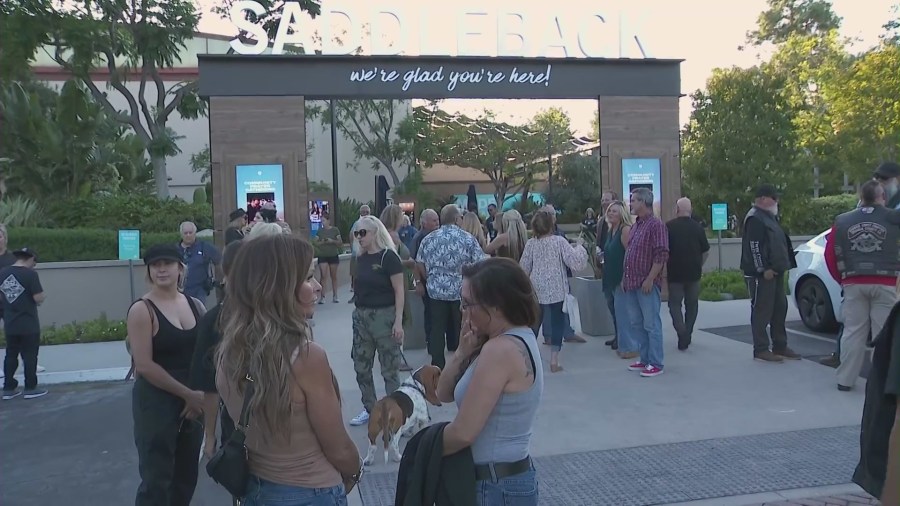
(299, 451)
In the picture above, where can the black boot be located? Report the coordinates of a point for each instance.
(610, 342)
(615, 344)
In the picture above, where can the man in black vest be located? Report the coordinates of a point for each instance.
(861, 253)
(766, 256)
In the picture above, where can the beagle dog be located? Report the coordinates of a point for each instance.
(403, 412)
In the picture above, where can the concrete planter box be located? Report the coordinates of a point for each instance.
(592, 308)
(414, 330)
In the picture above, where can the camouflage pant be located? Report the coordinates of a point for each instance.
(372, 332)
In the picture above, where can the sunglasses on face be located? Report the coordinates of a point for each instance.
(360, 233)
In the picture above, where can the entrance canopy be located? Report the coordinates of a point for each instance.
(433, 77)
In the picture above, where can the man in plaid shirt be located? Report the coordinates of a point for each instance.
(647, 253)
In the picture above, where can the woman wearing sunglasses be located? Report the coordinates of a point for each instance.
(378, 318)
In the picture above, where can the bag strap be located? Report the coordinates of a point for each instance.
(244, 420)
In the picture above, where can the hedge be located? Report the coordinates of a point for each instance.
(714, 284)
(79, 244)
(100, 330)
(143, 212)
(814, 216)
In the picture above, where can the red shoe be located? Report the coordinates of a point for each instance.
(637, 367)
(651, 371)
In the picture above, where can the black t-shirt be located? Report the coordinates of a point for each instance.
(19, 285)
(7, 259)
(373, 287)
(880, 409)
(203, 366)
(687, 243)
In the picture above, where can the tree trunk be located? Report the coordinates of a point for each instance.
(160, 176)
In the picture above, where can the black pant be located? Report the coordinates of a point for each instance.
(768, 302)
(445, 322)
(168, 447)
(689, 293)
(27, 346)
(426, 302)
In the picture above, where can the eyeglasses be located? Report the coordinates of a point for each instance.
(360, 233)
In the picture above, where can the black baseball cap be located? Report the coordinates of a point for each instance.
(162, 252)
(767, 190)
(887, 170)
(25, 252)
(237, 213)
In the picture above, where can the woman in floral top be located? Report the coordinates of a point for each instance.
(545, 259)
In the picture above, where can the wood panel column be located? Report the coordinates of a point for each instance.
(258, 131)
(641, 127)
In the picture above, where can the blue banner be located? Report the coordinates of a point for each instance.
(720, 216)
(129, 244)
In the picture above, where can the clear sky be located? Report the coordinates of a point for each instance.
(705, 33)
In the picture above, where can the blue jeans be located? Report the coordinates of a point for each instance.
(553, 322)
(646, 325)
(518, 490)
(265, 493)
(622, 321)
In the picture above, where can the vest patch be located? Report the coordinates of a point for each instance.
(866, 237)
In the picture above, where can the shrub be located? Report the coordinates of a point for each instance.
(79, 244)
(815, 215)
(200, 195)
(143, 212)
(713, 284)
(19, 212)
(100, 330)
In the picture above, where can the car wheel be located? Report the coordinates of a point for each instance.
(814, 305)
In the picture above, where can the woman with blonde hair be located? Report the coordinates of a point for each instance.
(298, 448)
(511, 236)
(392, 219)
(472, 224)
(619, 221)
(378, 318)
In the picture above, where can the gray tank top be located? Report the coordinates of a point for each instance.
(507, 433)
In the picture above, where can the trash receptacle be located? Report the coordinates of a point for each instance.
(414, 329)
(592, 307)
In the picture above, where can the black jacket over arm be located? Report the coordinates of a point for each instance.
(427, 478)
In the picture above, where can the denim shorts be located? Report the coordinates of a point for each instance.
(517, 490)
(265, 493)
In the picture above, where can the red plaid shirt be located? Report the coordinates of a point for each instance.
(647, 245)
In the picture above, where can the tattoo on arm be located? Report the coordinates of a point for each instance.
(523, 349)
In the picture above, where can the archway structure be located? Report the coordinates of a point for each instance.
(257, 123)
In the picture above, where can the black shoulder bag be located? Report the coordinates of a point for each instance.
(229, 466)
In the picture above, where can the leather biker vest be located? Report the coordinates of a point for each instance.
(866, 243)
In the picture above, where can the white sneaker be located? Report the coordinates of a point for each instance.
(360, 419)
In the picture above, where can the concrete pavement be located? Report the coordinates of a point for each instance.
(714, 392)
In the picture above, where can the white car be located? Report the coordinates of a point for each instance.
(816, 294)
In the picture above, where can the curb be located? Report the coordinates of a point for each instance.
(85, 376)
(778, 496)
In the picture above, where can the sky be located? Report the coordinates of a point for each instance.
(704, 33)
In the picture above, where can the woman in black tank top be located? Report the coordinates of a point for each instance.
(162, 331)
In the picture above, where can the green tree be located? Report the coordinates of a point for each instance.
(740, 134)
(555, 126)
(577, 186)
(63, 144)
(891, 33)
(812, 68)
(784, 18)
(866, 111)
(132, 41)
(373, 128)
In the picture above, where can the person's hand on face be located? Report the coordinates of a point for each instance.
(468, 340)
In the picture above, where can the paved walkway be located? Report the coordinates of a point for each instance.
(604, 435)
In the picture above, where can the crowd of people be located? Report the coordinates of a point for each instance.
(489, 289)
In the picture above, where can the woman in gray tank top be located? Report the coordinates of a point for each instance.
(496, 380)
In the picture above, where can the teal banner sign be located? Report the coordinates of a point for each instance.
(720, 216)
(129, 244)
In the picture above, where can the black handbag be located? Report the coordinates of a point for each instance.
(229, 466)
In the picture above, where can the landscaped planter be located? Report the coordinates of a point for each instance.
(592, 307)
